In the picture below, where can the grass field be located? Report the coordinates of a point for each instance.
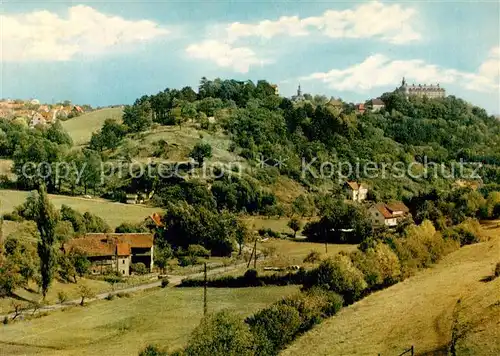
(113, 213)
(419, 311)
(81, 128)
(124, 326)
(290, 252)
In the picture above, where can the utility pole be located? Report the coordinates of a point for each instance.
(326, 246)
(205, 290)
(255, 255)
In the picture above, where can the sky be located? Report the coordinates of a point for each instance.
(111, 52)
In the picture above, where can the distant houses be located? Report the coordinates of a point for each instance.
(389, 214)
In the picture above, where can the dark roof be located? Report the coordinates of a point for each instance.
(377, 102)
(397, 206)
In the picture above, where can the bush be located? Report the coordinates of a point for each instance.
(164, 282)
(312, 257)
(222, 333)
(269, 233)
(151, 350)
(314, 305)
(185, 261)
(62, 297)
(14, 216)
(110, 297)
(198, 251)
(497, 270)
(339, 275)
(139, 268)
(274, 328)
(123, 295)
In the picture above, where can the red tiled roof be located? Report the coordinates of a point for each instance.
(356, 185)
(381, 207)
(156, 219)
(107, 244)
(122, 249)
(388, 210)
(397, 206)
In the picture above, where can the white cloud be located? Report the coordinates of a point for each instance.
(388, 22)
(224, 55)
(42, 35)
(380, 71)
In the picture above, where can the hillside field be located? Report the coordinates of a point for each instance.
(164, 317)
(113, 213)
(81, 128)
(419, 311)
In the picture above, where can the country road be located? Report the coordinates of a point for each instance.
(174, 280)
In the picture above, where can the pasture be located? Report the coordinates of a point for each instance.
(112, 212)
(124, 326)
(81, 128)
(420, 311)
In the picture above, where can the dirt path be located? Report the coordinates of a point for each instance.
(417, 311)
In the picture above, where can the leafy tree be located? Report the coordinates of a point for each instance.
(94, 223)
(81, 262)
(294, 224)
(74, 217)
(138, 116)
(200, 152)
(220, 334)
(45, 218)
(85, 293)
(162, 256)
(131, 228)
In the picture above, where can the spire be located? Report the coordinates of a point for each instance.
(403, 82)
(299, 91)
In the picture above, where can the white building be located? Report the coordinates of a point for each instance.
(356, 191)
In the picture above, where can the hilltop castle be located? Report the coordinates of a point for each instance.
(430, 91)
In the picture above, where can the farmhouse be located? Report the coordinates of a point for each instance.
(356, 191)
(388, 214)
(116, 252)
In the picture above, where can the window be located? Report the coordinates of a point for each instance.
(123, 262)
(123, 271)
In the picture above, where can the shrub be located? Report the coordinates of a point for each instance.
(123, 295)
(164, 282)
(5, 320)
(314, 305)
(139, 268)
(312, 257)
(269, 233)
(221, 333)
(497, 270)
(110, 296)
(151, 350)
(274, 328)
(467, 232)
(14, 216)
(339, 275)
(185, 261)
(62, 297)
(198, 251)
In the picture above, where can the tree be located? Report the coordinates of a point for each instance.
(81, 263)
(85, 293)
(67, 269)
(162, 256)
(301, 206)
(294, 224)
(222, 333)
(200, 152)
(46, 220)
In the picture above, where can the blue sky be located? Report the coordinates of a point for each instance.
(111, 52)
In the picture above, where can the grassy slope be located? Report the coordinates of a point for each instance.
(82, 127)
(113, 213)
(415, 312)
(164, 317)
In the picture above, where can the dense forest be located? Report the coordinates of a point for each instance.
(260, 123)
